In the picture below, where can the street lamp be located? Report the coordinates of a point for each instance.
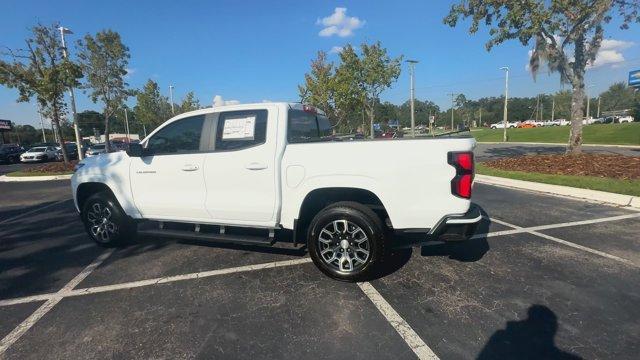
(412, 64)
(76, 129)
(506, 99)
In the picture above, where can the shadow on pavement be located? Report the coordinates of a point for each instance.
(531, 338)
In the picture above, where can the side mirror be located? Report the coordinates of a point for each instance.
(135, 150)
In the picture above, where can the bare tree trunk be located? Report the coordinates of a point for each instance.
(577, 114)
(107, 143)
(56, 128)
(372, 116)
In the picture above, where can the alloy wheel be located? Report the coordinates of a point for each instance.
(344, 246)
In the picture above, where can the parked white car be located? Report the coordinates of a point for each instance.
(625, 119)
(557, 122)
(39, 154)
(500, 125)
(276, 167)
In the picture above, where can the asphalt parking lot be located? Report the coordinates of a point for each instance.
(546, 277)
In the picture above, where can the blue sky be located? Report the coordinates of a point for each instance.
(255, 50)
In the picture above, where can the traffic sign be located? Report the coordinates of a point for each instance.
(634, 79)
(5, 125)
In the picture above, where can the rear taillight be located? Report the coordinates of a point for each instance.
(461, 183)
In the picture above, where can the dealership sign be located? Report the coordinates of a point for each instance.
(5, 125)
(634, 79)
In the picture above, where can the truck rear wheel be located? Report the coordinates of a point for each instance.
(106, 222)
(346, 241)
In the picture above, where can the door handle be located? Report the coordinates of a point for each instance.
(255, 166)
(189, 167)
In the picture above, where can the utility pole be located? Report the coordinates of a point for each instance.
(598, 107)
(537, 106)
(553, 108)
(76, 129)
(412, 64)
(452, 97)
(44, 137)
(506, 99)
(480, 124)
(126, 123)
(588, 101)
(144, 129)
(171, 99)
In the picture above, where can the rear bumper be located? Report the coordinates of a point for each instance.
(449, 228)
(457, 227)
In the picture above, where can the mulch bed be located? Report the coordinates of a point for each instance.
(600, 165)
(53, 167)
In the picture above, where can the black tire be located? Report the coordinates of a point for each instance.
(117, 230)
(355, 215)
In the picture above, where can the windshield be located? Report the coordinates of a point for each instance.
(37, 149)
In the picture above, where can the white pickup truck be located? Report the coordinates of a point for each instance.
(276, 168)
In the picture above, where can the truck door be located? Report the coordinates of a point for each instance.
(168, 182)
(240, 171)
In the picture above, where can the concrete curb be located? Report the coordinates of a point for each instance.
(5, 178)
(565, 191)
(557, 144)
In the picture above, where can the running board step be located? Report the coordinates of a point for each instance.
(225, 238)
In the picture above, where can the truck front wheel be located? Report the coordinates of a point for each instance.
(105, 221)
(346, 241)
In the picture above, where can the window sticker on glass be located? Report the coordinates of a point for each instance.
(240, 127)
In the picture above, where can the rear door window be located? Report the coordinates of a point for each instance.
(238, 130)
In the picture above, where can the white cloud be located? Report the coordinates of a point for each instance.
(130, 71)
(339, 23)
(219, 101)
(336, 50)
(610, 53)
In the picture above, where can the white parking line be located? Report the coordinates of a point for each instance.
(21, 329)
(159, 280)
(415, 342)
(518, 230)
(32, 211)
(532, 231)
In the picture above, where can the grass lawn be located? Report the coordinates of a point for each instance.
(613, 134)
(628, 187)
(37, 173)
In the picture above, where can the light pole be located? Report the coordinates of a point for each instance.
(412, 64)
(44, 137)
(76, 129)
(506, 100)
(588, 101)
(452, 96)
(126, 122)
(171, 99)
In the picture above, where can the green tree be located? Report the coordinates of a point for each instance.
(377, 72)
(40, 71)
(567, 35)
(618, 97)
(104, 59)
(189, 103)
(317, 89)
(152, 109)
